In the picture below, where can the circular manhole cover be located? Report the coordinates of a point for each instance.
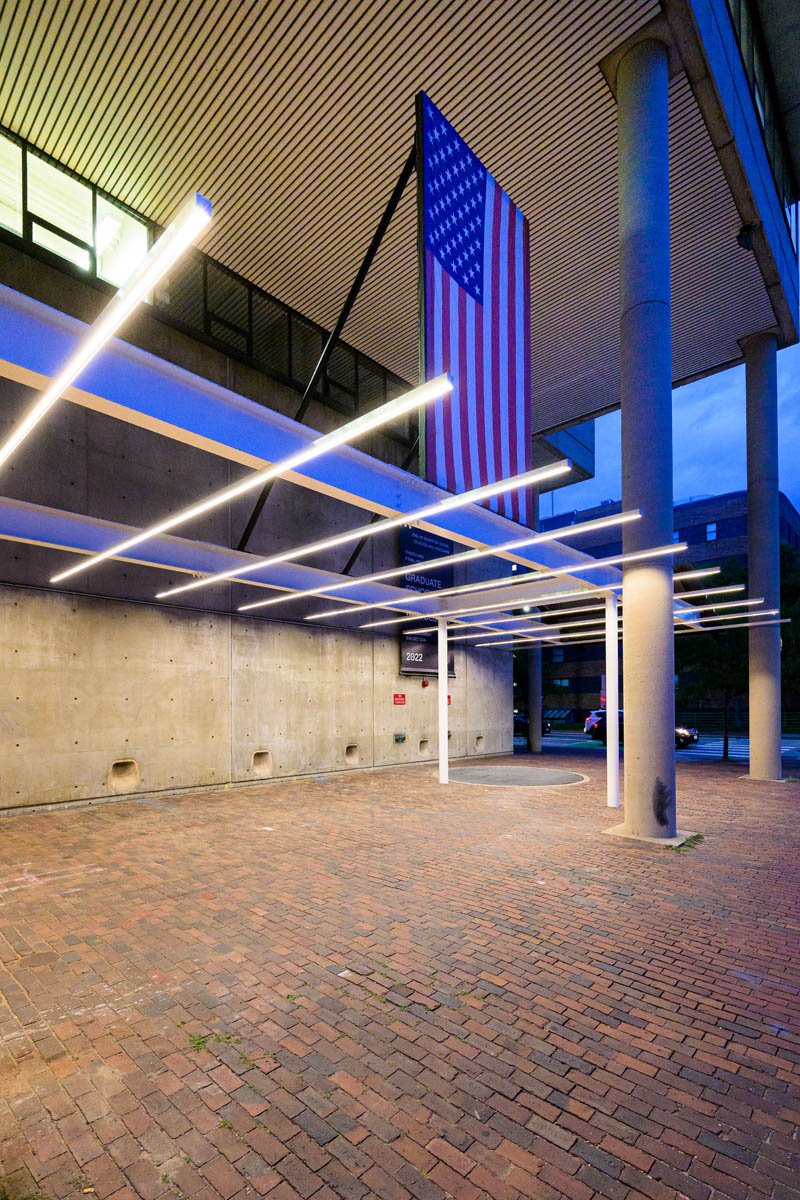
(515, 776)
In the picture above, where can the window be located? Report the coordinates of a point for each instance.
(120, 242)
(61, 212)
(10, 185)
(558, 654)
(711, 531)
(560, 685)
(676, 535)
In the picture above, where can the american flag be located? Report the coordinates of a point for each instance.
(476, 314)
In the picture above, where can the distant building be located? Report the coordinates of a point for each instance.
(715, 528)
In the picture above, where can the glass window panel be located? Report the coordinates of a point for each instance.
(120, 242)
(306, 349)
(180, 295)
(59, 199)
(10, 185)
(270, 334)
(60, 245)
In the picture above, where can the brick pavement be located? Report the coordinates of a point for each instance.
(369, 986)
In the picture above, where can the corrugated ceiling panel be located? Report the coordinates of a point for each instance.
(295, 118)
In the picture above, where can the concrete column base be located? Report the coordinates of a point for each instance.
(681, 836)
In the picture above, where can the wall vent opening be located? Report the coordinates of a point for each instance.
(261, 765)
(351, 754)
(479, 741)
(423, 745)
(123, 775)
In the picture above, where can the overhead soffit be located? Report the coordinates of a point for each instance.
(295, 119)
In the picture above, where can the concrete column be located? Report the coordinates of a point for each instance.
(535, 699)
(441, 701)
(612, 700)
(646, 396)
(763, 553)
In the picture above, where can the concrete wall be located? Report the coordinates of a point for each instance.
(191, 698)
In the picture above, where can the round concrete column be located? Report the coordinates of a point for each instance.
(646, 396)
(534, 699)
(763, 553)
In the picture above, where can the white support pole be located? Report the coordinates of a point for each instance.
(442, 700)
(612, 700)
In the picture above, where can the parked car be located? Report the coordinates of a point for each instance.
(684, 735)
(521, 724)
(594, 716)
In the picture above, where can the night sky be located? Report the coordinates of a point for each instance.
(708, 441)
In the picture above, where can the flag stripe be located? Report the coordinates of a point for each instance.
(477, 320)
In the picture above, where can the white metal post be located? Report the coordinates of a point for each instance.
(442, 701)
(612, 700)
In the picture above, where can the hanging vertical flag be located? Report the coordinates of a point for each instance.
(475, 318)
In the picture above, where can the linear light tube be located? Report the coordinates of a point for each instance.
(417, 397)
(191, 218)
(530, 577)
(551, 535)
(498, 607)
(571, 594)
(363, 531)
(697, 574)
(744, 625)
(594, 641)
(679, 613)
(762, 612)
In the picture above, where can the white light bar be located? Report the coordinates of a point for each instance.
(682, 614)
(744, 625)
(528, 577)
(191, 218)
(551, 535)
(699, 573)
(593, 641)
(763, 612)
(572, 611)
(414, 399)
(571, 594)
(363, 531)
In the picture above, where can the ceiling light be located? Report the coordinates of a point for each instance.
(191, 218)
(452, 559)
(590, 564)
(354, 535)
(321, 445)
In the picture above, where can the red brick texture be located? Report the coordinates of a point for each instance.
(372, 986)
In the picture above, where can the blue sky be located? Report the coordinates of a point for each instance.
(708, 421)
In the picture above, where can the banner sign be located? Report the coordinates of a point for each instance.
(475, 318)
(419, 654)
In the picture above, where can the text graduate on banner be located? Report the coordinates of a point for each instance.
(475, 301)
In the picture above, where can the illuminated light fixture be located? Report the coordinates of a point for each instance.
(571, 594)
(594, 641)
(364, 531)
(190, 220)
(683, 613)
(589, 593)
(680, 613)
(484, 625)
(762, 612)
(699, 573)
(552, 535)
(432, 390)
(537, 577)
(744, 625)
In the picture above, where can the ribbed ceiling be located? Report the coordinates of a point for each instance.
(295, 118)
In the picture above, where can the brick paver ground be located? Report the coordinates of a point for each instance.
(371, 986)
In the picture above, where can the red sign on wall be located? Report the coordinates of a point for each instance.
(449, 699)
(399, 697)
